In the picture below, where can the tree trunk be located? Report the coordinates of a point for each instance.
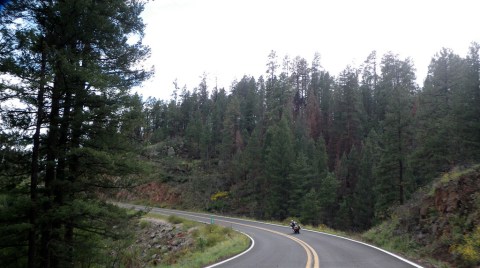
(400, 183)
(32, 249)
(400, 167)
(50, 173)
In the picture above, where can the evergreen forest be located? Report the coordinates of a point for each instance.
(334, 149)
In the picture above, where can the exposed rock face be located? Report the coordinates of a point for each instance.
(438, 218)
(456, 195)
(159, 239)
(153, 191)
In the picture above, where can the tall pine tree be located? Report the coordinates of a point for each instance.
(393, 180)
(278, 167)
(81, 68)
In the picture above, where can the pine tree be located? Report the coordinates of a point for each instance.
(368, 89)
(193, 134)
(277, 92)
(206, 142)
(278, 160)
(252, 169)
(300, 80)
(326, 84)
(82, 68)
(232, 141)
(301, 180)
(321, 158)
(363, 206)
(436, 123)
(468, 107)
(246, 92)
(397, 81)
(347, 172)
(346, 129)
(317, 93)
(220, 100)
(310, 208)
(327, 197)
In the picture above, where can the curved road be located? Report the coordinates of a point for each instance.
(276, 246)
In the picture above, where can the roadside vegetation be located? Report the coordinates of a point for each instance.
(185, 243)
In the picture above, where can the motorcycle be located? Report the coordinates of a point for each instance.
(296, 229)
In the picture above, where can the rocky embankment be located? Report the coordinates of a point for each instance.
(153, 192)
(442, 221)
(158, 241)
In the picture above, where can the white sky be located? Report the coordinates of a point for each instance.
(227, 39)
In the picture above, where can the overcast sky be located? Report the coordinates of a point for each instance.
(227, 39)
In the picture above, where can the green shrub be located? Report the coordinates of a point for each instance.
(195, 232)
(227, 231)
(469, 249)
(387, 236)
(201, 243)
(175, 219)
(144, 224)
(214, 238)
(210, 228)
(131, 257)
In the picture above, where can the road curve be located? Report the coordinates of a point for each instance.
(276, 246)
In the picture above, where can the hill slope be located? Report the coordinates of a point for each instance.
(441, 222)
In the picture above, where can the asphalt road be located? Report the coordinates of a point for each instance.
(277, 246)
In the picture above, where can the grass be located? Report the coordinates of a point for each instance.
(213, 243)
(457, 173)
(385, 237)
(452, 175)
(218, 251)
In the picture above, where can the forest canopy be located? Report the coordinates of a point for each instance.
(336, 150)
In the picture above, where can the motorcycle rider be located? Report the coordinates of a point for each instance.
(294, 224)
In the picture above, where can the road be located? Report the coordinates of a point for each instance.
(277, 246)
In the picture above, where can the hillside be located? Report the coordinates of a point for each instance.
(441, 222)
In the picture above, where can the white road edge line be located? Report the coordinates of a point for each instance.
(236, 256)
(341, 237)
(349, 239)
(229, 259)
(368, 245)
